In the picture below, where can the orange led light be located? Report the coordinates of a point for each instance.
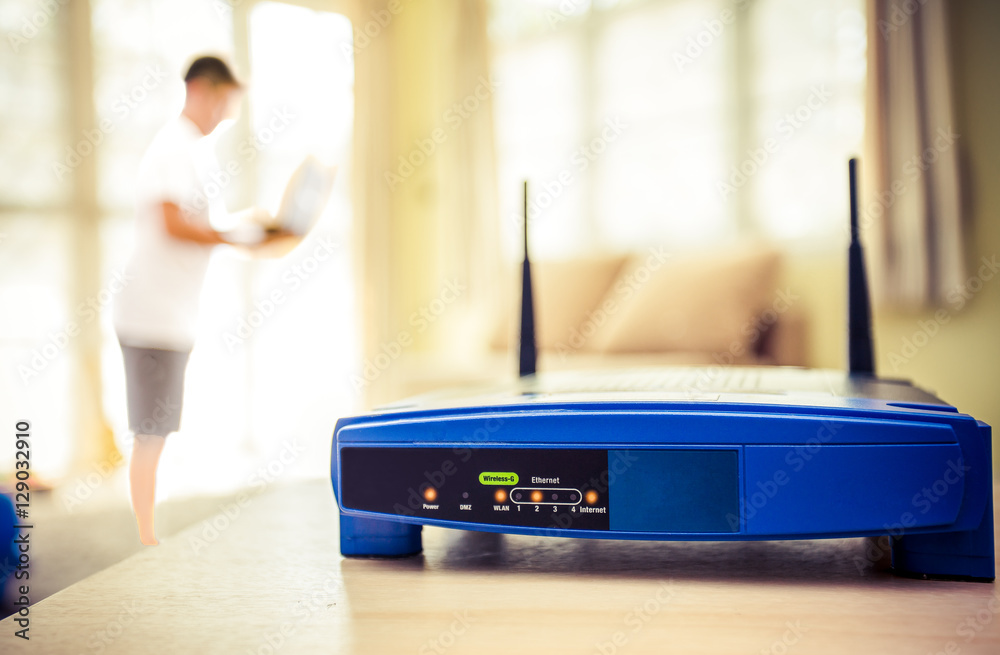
(536, 496)
(501, 495)
(430, 494)
(590, 497)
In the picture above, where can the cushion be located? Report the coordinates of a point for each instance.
(565, 291)
(704, 302)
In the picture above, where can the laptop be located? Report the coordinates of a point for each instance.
(304, 199)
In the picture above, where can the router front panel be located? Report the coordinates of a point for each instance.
(572, 489)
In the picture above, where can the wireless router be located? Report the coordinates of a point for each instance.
(729, 454)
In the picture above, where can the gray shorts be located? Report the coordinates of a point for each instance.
(154, 384)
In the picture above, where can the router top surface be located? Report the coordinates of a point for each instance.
(676, 386)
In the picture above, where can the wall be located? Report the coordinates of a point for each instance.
(960, 362)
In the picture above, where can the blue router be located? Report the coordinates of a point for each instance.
(691, 454)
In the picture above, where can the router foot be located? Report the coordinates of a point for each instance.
(948, 555)
(360, 537)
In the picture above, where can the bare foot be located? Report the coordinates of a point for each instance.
(146, 451)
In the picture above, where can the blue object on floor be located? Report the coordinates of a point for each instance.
(8, 553)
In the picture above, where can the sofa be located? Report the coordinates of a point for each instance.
(721, 307)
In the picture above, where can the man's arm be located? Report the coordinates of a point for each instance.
(179, 228)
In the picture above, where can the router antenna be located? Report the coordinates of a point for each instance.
(859, 319)
(527, 354)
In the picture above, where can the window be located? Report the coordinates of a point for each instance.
(302, 83)
(684, 122)
(289, 380)
(35, 230)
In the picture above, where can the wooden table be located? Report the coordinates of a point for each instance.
(269, 578)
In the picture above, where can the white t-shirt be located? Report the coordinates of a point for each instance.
(158, 308)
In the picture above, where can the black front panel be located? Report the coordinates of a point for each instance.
(546, 488)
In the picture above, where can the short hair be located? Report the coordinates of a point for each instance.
(212, 69)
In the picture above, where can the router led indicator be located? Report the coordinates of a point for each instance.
(590, 497)
(430, 494)
(536, 496)
(500, 495)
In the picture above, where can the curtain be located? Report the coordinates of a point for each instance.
(469, 203)
(420, 97)
(912, 209)
(372, 153)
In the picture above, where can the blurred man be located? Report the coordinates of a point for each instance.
(156, 313)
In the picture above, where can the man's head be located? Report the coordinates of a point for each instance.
(212, 92)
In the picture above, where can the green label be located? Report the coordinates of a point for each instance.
(497, 478)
